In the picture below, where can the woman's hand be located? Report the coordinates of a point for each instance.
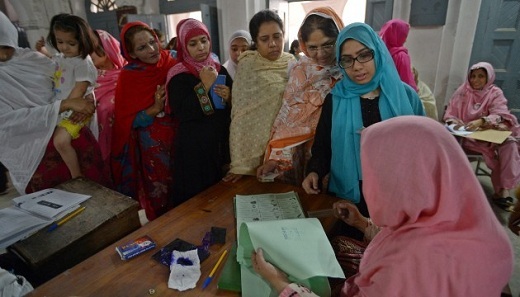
(82, 108)
(275, 277)
(475, 125)
(310, 183)
(231, 177)
(266, 168)
(208, 75)
(40, 47)
(350, 214)
(81, 105)
(158, 104)
(224, 92)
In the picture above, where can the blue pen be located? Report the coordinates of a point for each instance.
(210, 277)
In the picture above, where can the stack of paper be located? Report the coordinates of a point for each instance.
(277, 224)
(33, 212)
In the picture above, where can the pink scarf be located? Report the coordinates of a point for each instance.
(439, 236)
(105, 90)
(468, 104)
(394, 33)
(187, 29)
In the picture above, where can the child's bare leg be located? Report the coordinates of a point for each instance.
(62, 142)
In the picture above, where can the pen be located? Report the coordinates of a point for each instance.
(210, 277)
(66, 219)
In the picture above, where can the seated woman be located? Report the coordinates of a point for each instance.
(257, 94)
(310, 80)
(29, 113)
(436, 239)
(478, 104)
(202, 140)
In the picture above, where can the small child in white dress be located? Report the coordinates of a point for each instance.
(75, 77)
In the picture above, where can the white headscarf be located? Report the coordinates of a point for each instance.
(28, 108)
(231, 66)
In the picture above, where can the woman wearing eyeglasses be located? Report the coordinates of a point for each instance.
(370, 92)
(310, 80)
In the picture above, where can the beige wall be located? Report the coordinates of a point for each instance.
(442, 54)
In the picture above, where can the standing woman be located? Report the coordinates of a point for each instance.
(202, 140)
(479, 104)
(239, 42)
(29, 106)
(108, 61)
(142, 142)
(394, 34)
(370, 92)
(310, 80)
(257, 94)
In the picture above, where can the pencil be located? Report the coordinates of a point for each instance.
(66, 219)
(210, 277)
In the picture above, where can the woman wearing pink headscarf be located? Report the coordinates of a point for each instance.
(479, 104)
(202, 109)
(108, 60)
(438, 237)
(394, 34)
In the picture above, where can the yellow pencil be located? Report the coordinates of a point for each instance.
(66, 218)
(210, 277)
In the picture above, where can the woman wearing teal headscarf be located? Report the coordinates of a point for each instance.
(370, 91)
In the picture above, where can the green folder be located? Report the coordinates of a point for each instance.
(230, 275)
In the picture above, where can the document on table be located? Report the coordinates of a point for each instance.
(17, 225)
(265, 207)
(34, 211)
(299, 246)
(49, 203)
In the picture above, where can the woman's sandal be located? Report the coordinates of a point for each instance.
(504, 202)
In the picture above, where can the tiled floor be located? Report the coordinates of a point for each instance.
(502, 216)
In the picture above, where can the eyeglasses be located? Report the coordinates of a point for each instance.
(363, 57)
(312, 50)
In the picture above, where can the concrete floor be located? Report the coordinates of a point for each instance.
(514, 284)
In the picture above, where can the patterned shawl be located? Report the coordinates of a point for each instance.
(308, 85)
(257, 96)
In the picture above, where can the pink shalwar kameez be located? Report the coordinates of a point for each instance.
(468, 104)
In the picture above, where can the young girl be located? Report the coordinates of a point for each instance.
(75, 77)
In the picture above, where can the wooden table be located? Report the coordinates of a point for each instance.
(105, 274)
(108, 217)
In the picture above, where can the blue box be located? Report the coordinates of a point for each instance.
(137, 247)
